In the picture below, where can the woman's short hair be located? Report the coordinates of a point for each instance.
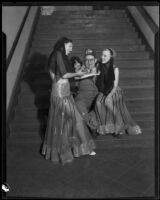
(73, 60)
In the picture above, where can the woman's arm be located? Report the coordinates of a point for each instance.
(116, 81)
(52, 74)
(72, 75)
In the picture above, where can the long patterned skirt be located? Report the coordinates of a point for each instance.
(113, 116)
(67, 135)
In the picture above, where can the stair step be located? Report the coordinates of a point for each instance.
(83, 20)
(90, 30)
(83, 36)
(145, 124)
(69, 33)
(133, 141)
(21, 131)
(138, 92)
(79, 50)
(143, 106)
(87, 36)
(118, 48)
(121, 55)
(122, 82)
(86, 13)
(140, 105)
(101, 18)
(43, 101)
(84, 25)
(122, 41)
(124, 73)
(40, 60)
(32, 113)
(73, 8)
(36, 125)
(146, 135)
(143, 116)
(143, 74)
(135, 82)
(129, 92)
(140, 118)
(108, 141)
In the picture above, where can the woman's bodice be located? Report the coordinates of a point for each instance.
(106, 78)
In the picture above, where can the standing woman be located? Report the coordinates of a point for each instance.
(111, 111)
(67, 135)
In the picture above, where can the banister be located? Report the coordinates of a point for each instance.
(16, 39)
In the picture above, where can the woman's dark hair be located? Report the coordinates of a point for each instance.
(74, 59)
(59, 46)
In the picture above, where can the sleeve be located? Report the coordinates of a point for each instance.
(61, 65)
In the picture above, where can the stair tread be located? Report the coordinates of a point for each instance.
(148, 62)
(124, 69)
(128, 87)
(36, 122)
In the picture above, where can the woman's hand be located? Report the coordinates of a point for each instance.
(98, 72)
(80, 73)
(52, 75)
(108, 100)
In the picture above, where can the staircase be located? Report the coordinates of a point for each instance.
(96, 29)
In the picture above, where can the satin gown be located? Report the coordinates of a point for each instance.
(67, 135)
(113, 116)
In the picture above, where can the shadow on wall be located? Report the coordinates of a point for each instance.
(39, 81)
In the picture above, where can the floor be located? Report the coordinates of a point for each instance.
(122, 167)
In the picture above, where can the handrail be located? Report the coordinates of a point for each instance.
(17, 38)
(16, 88)
(151, 24)
(148, 19)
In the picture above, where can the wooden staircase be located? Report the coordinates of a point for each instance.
(96, 29)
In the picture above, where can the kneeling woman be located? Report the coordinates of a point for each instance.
(67, 135)
(111, 111)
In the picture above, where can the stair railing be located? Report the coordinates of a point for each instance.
(151, 24)
(14, 96)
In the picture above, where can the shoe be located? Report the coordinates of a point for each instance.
(117, 135)
(92, 153)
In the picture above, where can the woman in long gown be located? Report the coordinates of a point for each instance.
(111, 111)
(67, 135)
